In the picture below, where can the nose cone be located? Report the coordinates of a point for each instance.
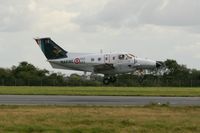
(146, 63)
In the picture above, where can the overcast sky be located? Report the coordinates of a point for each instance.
(156, 29)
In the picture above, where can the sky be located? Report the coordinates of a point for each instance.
(154, 29)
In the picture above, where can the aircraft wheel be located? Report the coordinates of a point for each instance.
(141, 79)
(113, 79)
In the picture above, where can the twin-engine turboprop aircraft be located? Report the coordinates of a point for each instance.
(110, 64)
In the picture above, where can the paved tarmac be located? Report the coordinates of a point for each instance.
(96, 100)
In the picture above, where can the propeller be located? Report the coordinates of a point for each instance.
(160, 64)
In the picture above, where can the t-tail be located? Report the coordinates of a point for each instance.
(50, 49)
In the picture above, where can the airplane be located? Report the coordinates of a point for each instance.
(108, 64)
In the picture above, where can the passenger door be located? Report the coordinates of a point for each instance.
(107, 58)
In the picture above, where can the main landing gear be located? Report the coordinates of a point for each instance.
(109, 79)
(141, 79)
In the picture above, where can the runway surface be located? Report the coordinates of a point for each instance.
(96, 100)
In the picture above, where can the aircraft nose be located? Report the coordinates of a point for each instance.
(145, 63)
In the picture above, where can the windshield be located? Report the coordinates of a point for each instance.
(126, 56)
(131, 55)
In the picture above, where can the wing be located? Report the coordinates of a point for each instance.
(103, 67)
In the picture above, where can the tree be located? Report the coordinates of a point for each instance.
(177, 71)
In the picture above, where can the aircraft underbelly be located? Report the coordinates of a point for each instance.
(119, 69)
(93, 67)
(72, 66)
(80, 67)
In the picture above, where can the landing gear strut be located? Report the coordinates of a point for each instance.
(140, 74)
(140, 79)
(109, 79)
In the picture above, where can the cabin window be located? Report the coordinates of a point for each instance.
(113, 58)
(99, 59)
(106, 58)
(121, 57)
(92, 59)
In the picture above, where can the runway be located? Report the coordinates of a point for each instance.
(96, 100)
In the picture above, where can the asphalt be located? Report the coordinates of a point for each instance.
(96, 100)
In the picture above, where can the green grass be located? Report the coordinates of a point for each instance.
(102, 91)
(74, 119)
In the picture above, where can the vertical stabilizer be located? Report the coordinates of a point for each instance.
(50, 49)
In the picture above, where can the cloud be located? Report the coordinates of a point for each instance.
(91, 15)
(158, 29)
(135, 13)
(189, 50)
(26, 15)
(171, 13)
(56, 21)
(112, 15)
(14, 16)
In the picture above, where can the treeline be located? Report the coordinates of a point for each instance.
(26, 74)
(176, 75)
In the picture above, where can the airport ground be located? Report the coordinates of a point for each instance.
(98, 119)
(152, 118)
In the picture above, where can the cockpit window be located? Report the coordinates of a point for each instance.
(121, 57)
(126, 56)
(129, 56)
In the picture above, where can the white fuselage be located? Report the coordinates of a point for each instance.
(112, 63)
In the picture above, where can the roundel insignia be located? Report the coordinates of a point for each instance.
(77, 61)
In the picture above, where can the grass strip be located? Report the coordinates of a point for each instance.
(94, 119)
(102, 91)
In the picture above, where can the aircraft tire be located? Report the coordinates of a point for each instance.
(140, 80)
(113, 79)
